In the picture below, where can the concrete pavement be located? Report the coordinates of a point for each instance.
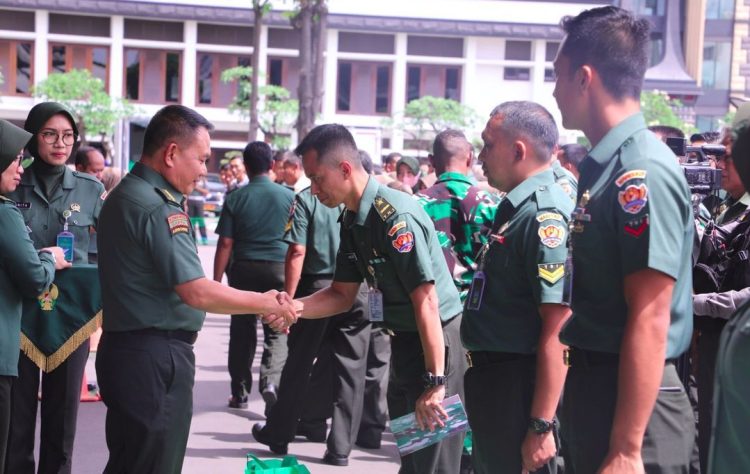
(219, 436)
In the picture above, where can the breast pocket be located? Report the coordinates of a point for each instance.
(80, 226)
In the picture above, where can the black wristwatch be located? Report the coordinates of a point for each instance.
(431, 381)
(541, 426)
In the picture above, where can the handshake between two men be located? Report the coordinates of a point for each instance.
(285, 313)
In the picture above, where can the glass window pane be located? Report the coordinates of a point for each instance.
(205, 66)
(343, 92)
(414, 76)
(133, 74)
(549, 75)
(58, 59)
(517, 74)
(99, 60)
(383, 87)
(518, 50)
(5, 66)
(550, 50)
(23, 68)
(172, 89)
(716, 65)
(275, 74)
(451, 84)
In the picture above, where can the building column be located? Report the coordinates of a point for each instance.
(189, 71)
(41, 46)
(539, 56)
(398, 98)
(116, 57)
(470, 69)
(331, 72)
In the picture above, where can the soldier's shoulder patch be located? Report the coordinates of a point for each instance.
(549, 216)
(633, 198)
(178, 223)
(396, 227)
(552, 235)
(403, 243)
(628, 176)
(383, 207)
(551, 272)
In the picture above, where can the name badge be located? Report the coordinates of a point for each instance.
(476, 291)
(23, 205)
(375, 305)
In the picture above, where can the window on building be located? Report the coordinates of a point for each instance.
(366, 43)
(17, 20)
(284, 72)
(433, 80)
(434, 46)
(79, 25)
(649, 7)
(64, 57)
(717, 58)
(517, 51)
(719, 9)
(211, 90)
(153, 30)
(549, 75)
(363, 88)
(550, 50)
(16, 64)
(152, 76)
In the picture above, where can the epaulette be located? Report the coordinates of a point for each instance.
(86, 176)
(5, 200)
(383, 208)
(544, 198)
(168, 197)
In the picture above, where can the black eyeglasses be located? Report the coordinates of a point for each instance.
(50, 137)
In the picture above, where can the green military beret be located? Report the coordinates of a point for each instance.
(38, 116)
(411, 162)
(12, 140)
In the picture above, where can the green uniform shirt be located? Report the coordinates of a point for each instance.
(731, 427)
(565, 179)
(392, 238)
(23, 274)
(523, 266)
(462, 214)
(633, 213)
(146, 248)
(255, 216)
(79, 193)
(316, 227)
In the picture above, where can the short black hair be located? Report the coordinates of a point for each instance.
(667, 131)
(612, 40)
(391, 157)
(326, 138)
(364, 157)
(173, 123)
(82, 156)
(532, 122)
(574, 153)
(258, 158)
(293, 160)
(447, 144)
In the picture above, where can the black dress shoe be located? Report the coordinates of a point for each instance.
(262, 438)
(313, 432)
(237, 402)
(270, 395)
(335, 459)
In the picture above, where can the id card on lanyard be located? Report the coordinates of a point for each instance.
(374, 299)
(476, 291)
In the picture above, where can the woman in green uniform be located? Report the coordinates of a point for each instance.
(24, 272)
(48, 195)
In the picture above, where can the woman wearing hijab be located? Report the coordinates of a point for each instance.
(51, 195)
(24, 271)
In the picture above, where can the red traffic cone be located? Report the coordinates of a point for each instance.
(89, 395)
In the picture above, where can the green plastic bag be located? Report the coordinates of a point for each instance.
(288, 465)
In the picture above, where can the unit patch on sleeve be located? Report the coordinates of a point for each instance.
(551, 272)
(403, 242)
(549, 216)
(552, 235)
(396, 227)
(628, 175)
(178, 222)
(633, 198)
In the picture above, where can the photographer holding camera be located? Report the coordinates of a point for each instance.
(721, 281)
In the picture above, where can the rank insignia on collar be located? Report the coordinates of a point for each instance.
(383, 208)
(633, 198)
(178, 223)
(552, 235)
(396, 227)
(551, 272)
(636, 227)
(75, 207)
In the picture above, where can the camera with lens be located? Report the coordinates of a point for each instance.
(701, 177)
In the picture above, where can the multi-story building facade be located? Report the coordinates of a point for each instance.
(379, 56)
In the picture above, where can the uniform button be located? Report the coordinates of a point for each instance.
(45, 227)
(542, 188)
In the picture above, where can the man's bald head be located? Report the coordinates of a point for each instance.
(451, 151)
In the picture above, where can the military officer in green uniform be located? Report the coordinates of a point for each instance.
(625, 408)
(51, 198)
(516, 305)
(389, 241)
(251, 233)
(155, 296)
(24, 271)
(731, 416)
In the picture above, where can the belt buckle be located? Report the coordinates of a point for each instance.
(566, 357)
(468, 359)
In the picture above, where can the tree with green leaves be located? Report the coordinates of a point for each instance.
(659, 109)
(260, 9)
(96, 113)
(425, 117)
(277, 112)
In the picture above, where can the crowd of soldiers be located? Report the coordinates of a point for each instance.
(556, 300)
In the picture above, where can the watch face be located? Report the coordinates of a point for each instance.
(540, 426)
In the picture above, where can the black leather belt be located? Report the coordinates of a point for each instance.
(180, 334)
(576, 357)
(480, 358)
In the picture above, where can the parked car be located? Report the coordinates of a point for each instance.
(215, 198)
